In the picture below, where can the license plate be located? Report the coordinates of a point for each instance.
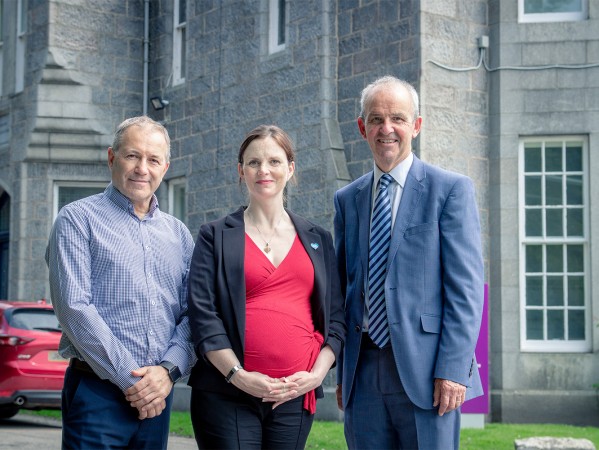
(54, 356)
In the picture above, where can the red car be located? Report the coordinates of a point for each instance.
(31, 370)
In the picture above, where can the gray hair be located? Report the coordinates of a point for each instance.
(391, 80)
(140, 121)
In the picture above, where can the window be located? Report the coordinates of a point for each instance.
(67, 192)
(4, 240)
(177, 200)
(179, 37)
(276, 26)
(552, 10)
(20, 45)
(554, 260)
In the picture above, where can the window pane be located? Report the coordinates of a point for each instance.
(555, 324)
(551, 6)
(574, 222)
(183, 51)
(532, 190)
(575, 258)
(576, 325)
(534, 291)
(555, 291)
(534, 222)
(574, 190)
(573, 157)
(67, 194)
(532, 158)
(555, 258)
(534, 259)
(182, 11)
(575, 291)
(553, 190)
(281, 33)
(534, 324)
(554, 225)
(553, 158)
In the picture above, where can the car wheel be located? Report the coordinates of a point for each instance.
(7, 411)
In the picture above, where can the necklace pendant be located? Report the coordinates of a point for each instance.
(266, 249)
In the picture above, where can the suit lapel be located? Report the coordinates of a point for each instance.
(410, 200)
(364, 208)
(233, 261)
(313, 244)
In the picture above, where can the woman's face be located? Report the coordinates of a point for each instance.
(265, 169)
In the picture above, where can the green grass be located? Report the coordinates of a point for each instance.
(329, 435)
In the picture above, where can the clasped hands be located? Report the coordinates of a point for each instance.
(276, 390)
(149, 394)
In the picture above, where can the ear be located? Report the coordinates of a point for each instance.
(291, 170)
(240, 170)
(362, 127)
(417, 126)
(110, 157)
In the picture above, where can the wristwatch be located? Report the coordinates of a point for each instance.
(173, 371)
(232, 372)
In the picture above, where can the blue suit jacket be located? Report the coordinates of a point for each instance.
(434, 285)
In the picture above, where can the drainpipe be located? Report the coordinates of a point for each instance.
(146, 54)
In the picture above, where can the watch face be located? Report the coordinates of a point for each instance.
(174, 374)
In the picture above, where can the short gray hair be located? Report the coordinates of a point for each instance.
(388, 79)
(140, 121)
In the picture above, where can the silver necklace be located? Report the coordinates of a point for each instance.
(267, 247)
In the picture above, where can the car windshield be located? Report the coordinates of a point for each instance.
(34, 319)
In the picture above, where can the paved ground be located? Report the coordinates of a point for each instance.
(26, 432)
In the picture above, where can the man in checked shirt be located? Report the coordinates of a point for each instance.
(118, 279)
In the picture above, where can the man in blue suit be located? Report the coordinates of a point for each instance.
(406, 392)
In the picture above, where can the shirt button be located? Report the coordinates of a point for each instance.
(151, 333)
(153, 303)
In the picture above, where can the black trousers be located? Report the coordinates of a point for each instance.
(244, 422)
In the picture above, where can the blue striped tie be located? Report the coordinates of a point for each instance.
(380, 236)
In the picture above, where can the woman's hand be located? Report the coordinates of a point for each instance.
(293, 386)
(262, 386)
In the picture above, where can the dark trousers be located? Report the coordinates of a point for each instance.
(95, 415)
(244, 422)
(380, 415)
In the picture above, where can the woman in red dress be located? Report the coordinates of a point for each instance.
(266, 311)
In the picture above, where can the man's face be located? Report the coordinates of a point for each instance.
(139, 165)
(389, 126)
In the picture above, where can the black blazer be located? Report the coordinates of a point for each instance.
(216, 293)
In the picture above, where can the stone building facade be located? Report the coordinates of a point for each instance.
(502, 88)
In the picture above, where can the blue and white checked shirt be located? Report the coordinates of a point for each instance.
(119, 286)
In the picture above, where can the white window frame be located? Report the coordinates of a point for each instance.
(274, 30)
(547, 345)
(583, 14)
(20, 50)
(101, 185)
(179, 43)
(174, 187)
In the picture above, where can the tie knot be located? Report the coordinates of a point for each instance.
(385, 180)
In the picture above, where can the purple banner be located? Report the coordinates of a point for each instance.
(480, 405)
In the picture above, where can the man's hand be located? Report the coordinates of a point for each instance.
(448, 395)
(338, 393)
(149, 394)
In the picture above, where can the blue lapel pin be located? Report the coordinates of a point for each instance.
(314, 245)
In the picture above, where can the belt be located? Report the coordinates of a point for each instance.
(82, 366)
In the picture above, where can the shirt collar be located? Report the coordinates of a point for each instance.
(399, 173)
(124, 203)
